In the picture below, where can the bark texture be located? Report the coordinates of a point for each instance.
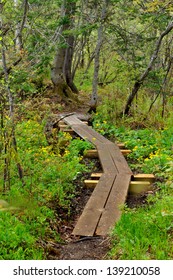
(61, 73)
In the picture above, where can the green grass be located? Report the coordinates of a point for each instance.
(144, 233)
(17, 242)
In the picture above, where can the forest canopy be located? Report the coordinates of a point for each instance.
(125, 43)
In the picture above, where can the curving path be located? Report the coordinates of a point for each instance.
(103, 208)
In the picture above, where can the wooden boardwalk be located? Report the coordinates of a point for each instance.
(103, 208)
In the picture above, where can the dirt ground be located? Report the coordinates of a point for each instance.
(84, 248)
(94, 248)
(78, 248)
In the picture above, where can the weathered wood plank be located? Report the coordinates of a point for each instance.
(102, 209)
(106, 159)
(119, 160)
(88, 221)
(116, 199)
(73, 121)
(100, 137)
(85, 134)
(93, 134)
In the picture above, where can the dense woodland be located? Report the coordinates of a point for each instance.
(112, 58)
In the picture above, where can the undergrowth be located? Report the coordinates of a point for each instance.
(49, 176)
(144, 232)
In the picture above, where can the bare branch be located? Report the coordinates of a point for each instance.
(8, 69)
(19, 29)
(153, 58)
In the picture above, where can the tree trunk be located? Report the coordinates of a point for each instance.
(19, 28)
(68, 64)
(9, 137)
(61, 87)
(94, 96)
(61, 72)
(79, 58)
(138, 83)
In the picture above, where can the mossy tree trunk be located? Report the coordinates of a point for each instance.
(61, 73)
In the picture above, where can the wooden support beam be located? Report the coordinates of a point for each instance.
(91, 154)
(96, 176)
(67, 129)
(63, 126)
(125, 152)
(137, 187)
(135, 177)
(141, 182)
(94, 153)
(120, 145)
(63, 123)
(91, 183)
(144, 177)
